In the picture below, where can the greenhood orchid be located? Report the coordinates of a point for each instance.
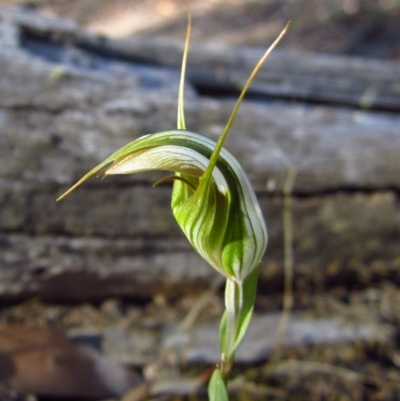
(213, 203)
(212, 199)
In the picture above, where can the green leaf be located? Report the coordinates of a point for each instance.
(240, 305)
(217, 388)
(249, 296)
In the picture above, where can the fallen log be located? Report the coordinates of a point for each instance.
(68, 100)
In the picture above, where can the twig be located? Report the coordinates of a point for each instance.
(288, 254)
(200, 304)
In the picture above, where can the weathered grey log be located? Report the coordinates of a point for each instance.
(201, 345)
(310, 78)
(63, 109)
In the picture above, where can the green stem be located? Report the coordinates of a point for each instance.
(233, 305)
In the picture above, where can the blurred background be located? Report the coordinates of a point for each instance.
(367, 28)
(101, 297)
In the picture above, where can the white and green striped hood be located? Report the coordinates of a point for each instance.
(214, 205)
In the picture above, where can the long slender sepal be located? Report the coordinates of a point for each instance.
(229, 124)
(181, 96)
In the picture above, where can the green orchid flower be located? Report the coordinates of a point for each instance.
(212, 199)
(213, 203)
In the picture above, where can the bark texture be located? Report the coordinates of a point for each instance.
(68, 100)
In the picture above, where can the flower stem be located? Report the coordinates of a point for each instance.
(233, 305)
